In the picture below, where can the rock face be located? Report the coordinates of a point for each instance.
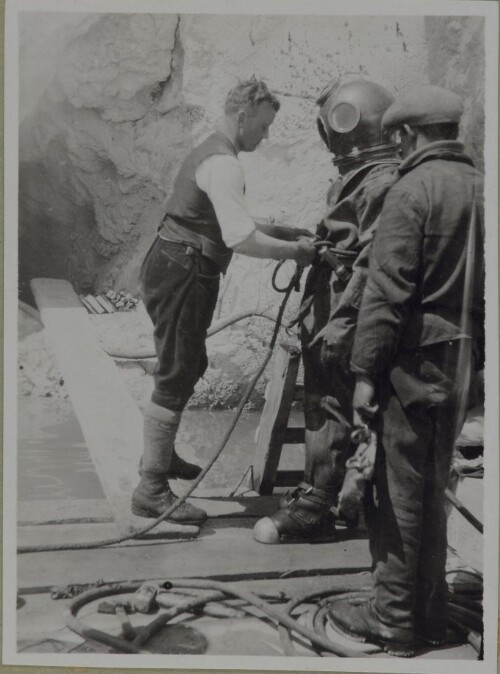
(457, 61)
(96, 150)
(110, 104)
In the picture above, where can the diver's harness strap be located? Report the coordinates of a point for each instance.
(340, 261)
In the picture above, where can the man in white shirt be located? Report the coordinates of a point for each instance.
(206, 220)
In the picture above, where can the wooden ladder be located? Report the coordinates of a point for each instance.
(274, 432)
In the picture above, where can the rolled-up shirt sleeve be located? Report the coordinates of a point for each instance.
(221, 177)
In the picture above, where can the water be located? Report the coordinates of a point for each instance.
(53, 459)
(54, 462)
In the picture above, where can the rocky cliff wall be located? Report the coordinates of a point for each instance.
(110, 104)
(457, 61)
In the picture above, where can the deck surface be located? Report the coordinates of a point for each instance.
(224, 548)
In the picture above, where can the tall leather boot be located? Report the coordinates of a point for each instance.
(153, 495)
(304, 514)
(160, 429)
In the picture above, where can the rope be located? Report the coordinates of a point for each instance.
(135, 533)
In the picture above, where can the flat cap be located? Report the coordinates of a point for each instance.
(424, 105)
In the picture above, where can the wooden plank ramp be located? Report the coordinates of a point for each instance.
(224, 549)
(110, 420)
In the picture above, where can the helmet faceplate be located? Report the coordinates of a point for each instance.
(349, 120)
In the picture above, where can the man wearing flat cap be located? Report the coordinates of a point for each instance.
(419, 330)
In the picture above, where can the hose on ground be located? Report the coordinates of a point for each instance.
(465, 617)
(464, 624)
(280, 617)
(135, 533)
(217, 590)
(87, 632)
(307, 597)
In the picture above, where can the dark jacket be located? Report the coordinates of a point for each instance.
(354, 202)
(429, 240)
(354, 205)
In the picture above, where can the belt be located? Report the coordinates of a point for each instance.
(190, 248)
(172, 231)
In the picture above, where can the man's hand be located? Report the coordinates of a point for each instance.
(337, 338)
(305, 251)
(258, 244)
(282, 232)
(304, 233)
(363, 402)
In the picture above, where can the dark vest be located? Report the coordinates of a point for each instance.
(190, 215)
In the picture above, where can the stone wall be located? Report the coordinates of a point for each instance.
(456, 61)
(110, 104)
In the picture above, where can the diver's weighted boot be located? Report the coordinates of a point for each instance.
(153, 496)
(303, 516)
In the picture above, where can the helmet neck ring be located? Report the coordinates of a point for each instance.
(356, 157)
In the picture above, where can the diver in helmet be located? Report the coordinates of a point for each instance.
(349, 122)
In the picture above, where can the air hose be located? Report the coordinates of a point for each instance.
(465, 622)
(465, 616)
(135, 533)
(280, 617)
(213, 330)
(217, 590)
(318, 617)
